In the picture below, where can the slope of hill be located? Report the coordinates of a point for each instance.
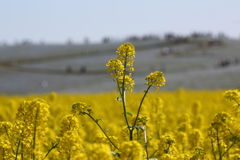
(81, 68)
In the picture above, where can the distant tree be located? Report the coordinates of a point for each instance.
(26, 42)
(133, 38)
(86, 40)
(106, 40)
(169, 37)
(69, 42)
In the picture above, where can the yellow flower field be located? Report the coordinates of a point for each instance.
(182, 116)
(122, 125)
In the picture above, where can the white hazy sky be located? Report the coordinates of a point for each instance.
(56, 21)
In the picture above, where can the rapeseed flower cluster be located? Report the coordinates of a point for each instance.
(223, 135)
(116, 66)
(131, 150)
(156, 79)
(99, 151)
(101, 138)
(234, 95)
(27, 135)
(30, 127)
(69, 123)
(69, 143)
(126, 82)
(126, 54)
(195, 138)
(166, 145)
(122, 67)
(6, 150)
(141, 121)
(81, 108)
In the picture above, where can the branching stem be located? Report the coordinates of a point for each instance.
(102, 130)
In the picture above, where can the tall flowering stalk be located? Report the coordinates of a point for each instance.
(121, 69)
(70, 142)
(29, 129)
(234, 95)
(223, 135)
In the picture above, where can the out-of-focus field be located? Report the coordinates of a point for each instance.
(27, 69)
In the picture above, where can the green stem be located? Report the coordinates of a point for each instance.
(124, 107)
(139, 108)
(227, 149)
(54, 146)
(214, 155)
(7, 132)
(219, 146)
(22, 154)
(3, 153)
(146, 143)
(34, 135)
(8, 137)
(17, 149)
(236, 101)
(158, 129)
(102, 130)
(123, 96)
(152, 155)
(69, 157)
(167, 149)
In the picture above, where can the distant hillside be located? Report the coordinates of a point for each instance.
(192, 63)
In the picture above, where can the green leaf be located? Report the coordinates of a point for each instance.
(129, 113)
(98, 120)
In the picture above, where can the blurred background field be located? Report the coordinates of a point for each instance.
(195, 62)
(63, 46)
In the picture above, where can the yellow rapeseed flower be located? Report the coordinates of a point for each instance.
(80, 108)
(99, 151)
(6, 150)
(69, 123)
(126, 54)
(141, 121)
(232, 95)
(128, 82)
(70, 145)
(195, 138)
(116, 66)
(5, 127)
(131, 150)
(155, 79)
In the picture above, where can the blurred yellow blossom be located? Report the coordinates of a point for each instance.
(131, 150)
(80, 108)
(232, 94)
(99, 151)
